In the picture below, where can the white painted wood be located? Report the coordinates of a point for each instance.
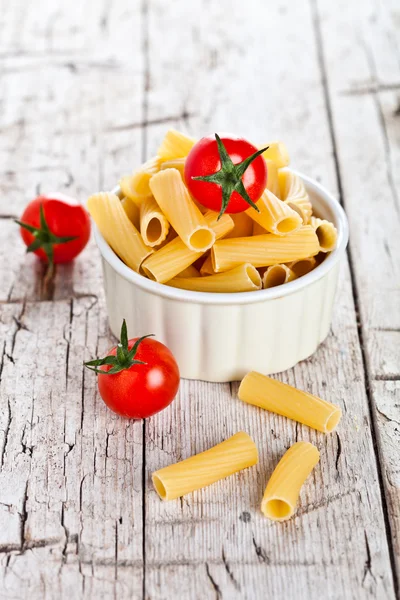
(78, 82)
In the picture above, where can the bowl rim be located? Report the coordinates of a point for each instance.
(237, 298)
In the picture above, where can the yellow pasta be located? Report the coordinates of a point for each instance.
(241, 279)
(274, 215)
(154, 226)
(243, 225)
(277, 152)
(175, 256)
(303, 266)
(285, 400)
(176, 163)
(136, 186)
(207, 268)
(175, 145)
(175, 202)
(277, 275)
(236, 453)
(264, 250)
(258, 230)
(283, 489)
(272, 178)
(294, 193)
(132, 211)
(190, 271)
(116, 228)
(326, 233)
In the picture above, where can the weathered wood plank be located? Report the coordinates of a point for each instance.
(367, 152)
(335, 533)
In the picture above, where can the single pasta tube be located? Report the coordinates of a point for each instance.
(175, 163)
(236, 453)
(175, 202)
(285, 400)
(175, 256)
(190, 271)
(132, 211)
(116, 228)
(277, 152)
(277, 275)
(175, 145)
(272, 178)
(243, 225)
(283, 489)
(264, 250)
(326, 233)
(207, 268)
(302, 266)
(136, 186)
(274, 215)
(294, 194)
(245, 278)
(154, 226)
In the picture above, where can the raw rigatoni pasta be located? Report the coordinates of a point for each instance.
(277, 275)
(277, 152)
(285, 400)
(303, 266)
(175, 202)
(190, 271)
(264, 250)
(236, 453)
(274, 215)
(243, 225)
(283, 489)
(116, 228)
(136, 186)
(175, 256)
(132, 211)
(154, 226)
(258, 230)
(294, 193)
(177, 163)
(207, 268)
(175, 145)
(272, 178)
(241, 279)
(326, 233)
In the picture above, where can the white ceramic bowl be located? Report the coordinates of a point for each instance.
(220, 337)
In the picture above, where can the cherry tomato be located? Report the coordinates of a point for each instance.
(56, 228)
(219, 176)
(137, 378)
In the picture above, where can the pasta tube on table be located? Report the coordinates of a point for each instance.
(154, 226)
(245, 278)
(175, 256)
(277, 152)
(326, 233)
(116, 228)
(283, 489)
(264, 250)
(175, 202)
(136, 186)
(285, 400)
(274, 215)
(294, 194)
(234, 454)
(277, 275)
(175, 145)
(302, 266)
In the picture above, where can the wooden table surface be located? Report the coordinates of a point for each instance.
(87, 91)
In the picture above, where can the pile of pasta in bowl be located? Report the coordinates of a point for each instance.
(160, 230)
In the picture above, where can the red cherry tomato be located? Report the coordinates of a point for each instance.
(204, 160)
(143, 377)
(64, 219)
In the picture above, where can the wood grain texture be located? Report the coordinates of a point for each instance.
(87, 90)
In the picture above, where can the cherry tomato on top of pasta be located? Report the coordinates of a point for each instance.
(226, 174)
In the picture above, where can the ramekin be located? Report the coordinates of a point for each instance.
(220, 337)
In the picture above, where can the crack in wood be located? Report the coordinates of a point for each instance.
(368, 561)
(262, 555)
(338, 452)
(213, 582)
(229, 571)
(371, 89)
